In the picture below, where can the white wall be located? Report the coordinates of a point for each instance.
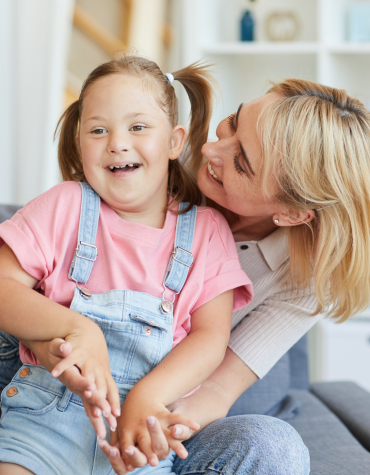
(34, 38)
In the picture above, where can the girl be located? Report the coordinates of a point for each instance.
(131, 223)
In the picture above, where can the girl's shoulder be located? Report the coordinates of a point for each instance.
(211, 217)
(212, 223)
(61, 198)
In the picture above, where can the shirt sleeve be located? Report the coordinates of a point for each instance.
(271, 329)
(223, 270)
(34, 232)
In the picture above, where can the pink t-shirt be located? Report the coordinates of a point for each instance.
(43, 236)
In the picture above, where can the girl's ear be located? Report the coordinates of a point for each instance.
(293, 218)
(178, 137)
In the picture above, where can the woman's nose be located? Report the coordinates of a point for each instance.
(213, 152)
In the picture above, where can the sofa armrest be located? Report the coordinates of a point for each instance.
(350, 403)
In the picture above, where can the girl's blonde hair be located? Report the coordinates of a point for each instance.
(316, 141)
(197, 82)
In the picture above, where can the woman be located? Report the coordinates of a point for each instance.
(290, 173)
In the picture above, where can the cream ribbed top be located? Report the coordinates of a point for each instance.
(279, 314)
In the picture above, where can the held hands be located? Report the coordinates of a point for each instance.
(81, 363)
(142, 438)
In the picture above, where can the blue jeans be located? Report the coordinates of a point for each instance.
(245, 445)
(240, 445)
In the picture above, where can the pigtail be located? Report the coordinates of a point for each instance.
(69, 157)
(198, 83)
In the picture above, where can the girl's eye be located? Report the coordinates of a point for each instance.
(231, 123)
(238, 168)
(137, 128)
(99, 131)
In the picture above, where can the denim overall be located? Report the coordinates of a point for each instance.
(43, 425)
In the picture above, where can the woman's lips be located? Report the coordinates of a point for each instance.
(212, 173)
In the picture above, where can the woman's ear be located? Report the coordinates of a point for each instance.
(293, 218)
(178, 137)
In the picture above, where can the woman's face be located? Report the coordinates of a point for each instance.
(235, 159)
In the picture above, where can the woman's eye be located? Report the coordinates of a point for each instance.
(238, 168)
(231, 122)
(137, 128)
(99, 131)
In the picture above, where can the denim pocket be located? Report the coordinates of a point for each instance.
(27, 399)
(9, 346)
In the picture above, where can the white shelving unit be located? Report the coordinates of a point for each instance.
(320, 53)
(210, 31)
(341, 352)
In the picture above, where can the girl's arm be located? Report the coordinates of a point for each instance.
(209, 403)
(28, 315)
(183, 369)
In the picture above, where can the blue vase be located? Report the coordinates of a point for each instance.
(247, 27)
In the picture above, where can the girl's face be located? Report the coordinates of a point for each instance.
(236, 160)
(126, 142)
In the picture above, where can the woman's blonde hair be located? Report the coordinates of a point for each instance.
(197, 82)
(316, 140)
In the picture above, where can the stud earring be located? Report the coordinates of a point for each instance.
(276, 221)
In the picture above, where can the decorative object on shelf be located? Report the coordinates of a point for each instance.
(359, 22)
(282, 26)
(247, 22)
(247, 26)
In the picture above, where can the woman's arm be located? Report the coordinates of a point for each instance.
(218, 393)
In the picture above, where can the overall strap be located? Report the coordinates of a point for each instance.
(86, 253)
(182, 258)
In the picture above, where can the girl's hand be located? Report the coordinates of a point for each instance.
(138, 422)
(136, 458)
(50, 353)
(90, 355)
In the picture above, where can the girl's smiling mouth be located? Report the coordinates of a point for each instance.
(123, 168)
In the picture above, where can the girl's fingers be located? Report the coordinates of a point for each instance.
(64, 364)
(158, 439)
(180, 432)
(178, 448)
(73, 379)
(96, 421)
(136, 458)
(113, 397)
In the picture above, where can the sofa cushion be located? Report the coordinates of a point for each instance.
(333, 449)
(269, 395)
(7, 211)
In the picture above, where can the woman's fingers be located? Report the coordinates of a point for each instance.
(180, 432)
(174, 419)
(115, 459)
(158, 439)
(60, 348)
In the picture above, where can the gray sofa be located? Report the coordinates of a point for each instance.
(333, 419)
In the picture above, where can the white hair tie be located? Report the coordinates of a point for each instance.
(170, 77)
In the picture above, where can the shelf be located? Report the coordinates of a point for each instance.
(240, 47)
(350, 48)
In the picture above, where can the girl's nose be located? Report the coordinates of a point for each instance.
(118, 144)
